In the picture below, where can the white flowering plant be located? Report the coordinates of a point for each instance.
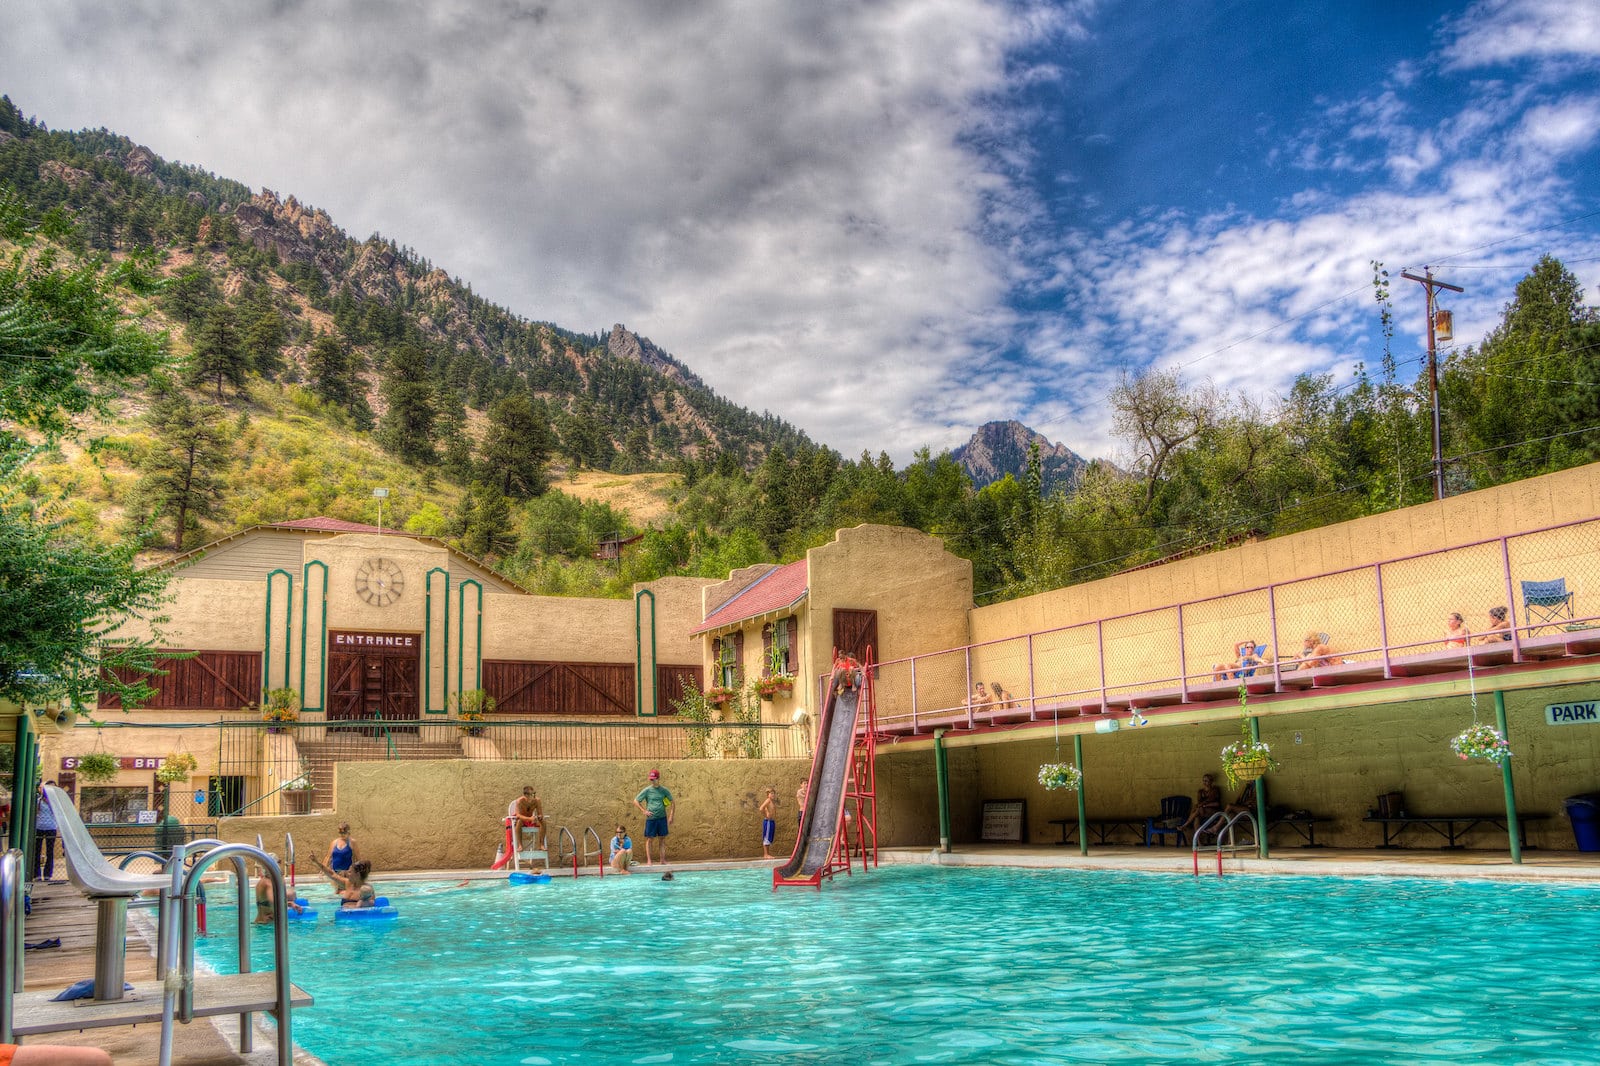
(1060, 777)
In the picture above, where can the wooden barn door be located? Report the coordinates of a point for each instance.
(374, 676)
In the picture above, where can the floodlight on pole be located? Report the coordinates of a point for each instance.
(380, 495)
(1434, 322)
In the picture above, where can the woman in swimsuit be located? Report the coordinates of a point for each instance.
(341, 851)
(352, 888)
(265, 901)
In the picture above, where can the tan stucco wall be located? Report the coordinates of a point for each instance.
(211, 614)
(446, 815)
(1344, 761)
(1141, 622)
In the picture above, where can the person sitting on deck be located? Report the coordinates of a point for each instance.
(1499, 627)
(1207, 801)
(1317, 652)
(981, 700)
(1003, 700)
(1246, 800)
(1456, 633)
(1248, 659)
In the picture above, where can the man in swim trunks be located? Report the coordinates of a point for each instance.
(526, 812)
(769, 822)
(656, 804)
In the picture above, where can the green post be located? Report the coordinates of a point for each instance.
(942, 773)
(1261, 796)
(1512, 828)
(1083, 804)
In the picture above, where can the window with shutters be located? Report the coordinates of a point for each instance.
(778, 640)
(729, 651)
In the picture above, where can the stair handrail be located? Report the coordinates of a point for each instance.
(11, 879)
(599, 851)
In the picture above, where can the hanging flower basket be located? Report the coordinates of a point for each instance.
(177, 767)
(1246, 760)
(774, 686)
(98, 767)
(1482, 742)
(718, 696)
(1060, 777)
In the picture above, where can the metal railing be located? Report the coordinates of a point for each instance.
(1380, 614)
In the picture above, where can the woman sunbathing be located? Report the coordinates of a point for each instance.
(1316, 652)
(1456, 633)
(1499, 627)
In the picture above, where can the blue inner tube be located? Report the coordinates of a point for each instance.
(364, 914)
(516, 877)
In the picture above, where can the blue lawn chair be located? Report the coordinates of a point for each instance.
(1546, 601)
(1174, 812)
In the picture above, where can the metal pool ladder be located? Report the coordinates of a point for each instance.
(1222, 824)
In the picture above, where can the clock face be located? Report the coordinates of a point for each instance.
(379, 581)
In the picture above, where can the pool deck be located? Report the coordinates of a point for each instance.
(61, 911)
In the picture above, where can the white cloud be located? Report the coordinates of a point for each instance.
(1503, 31)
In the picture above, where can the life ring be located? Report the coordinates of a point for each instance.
(364, 914)
(517, 877)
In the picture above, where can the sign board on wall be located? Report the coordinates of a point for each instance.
(125, 762)
(1005, 820)
(1572, 713)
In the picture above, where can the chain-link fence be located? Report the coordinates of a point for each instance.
(1529, 596)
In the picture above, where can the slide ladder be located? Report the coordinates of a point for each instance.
(840, 820)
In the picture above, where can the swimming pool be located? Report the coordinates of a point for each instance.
(926, 964)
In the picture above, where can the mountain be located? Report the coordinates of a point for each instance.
(1001, 448)
(614, 402)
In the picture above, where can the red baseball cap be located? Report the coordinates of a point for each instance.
(655, 775)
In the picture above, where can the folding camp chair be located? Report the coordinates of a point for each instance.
(1546, 601)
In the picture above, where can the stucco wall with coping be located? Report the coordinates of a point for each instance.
(211, 615)
(1344, 760)
(1417, 593)
(446, 815)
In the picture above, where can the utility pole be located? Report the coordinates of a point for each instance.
(1432, 288)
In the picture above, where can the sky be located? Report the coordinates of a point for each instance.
(890, 221)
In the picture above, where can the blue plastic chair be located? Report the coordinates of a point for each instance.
(1174, 812)
(1546, 601)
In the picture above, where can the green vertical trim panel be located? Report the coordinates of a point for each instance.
(639, 708)
(941, 773)
(427, 644)
(288, 620)
(306, 703)
(461, 639)
(1261, 796)
(1083, 804)
(1513, 829)
(24, 788)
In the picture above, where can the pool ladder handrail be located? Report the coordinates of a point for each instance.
(1222, 824)
(567, 844)
(599, 852)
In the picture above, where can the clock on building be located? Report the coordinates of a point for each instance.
(380, 581)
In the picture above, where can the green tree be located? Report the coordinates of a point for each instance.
(406, 428)
(488, 533)
(333, 374)
(65, 343)
(219, 355)
(516, 447)
(182, 473)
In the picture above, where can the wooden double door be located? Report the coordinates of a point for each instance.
(372, 676)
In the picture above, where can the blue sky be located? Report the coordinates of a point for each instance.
(890, 222)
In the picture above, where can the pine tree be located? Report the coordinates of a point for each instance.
(516, 447)
(182, 474)
(219, 353)
(406, 429)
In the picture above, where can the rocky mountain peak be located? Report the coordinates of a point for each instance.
(625, 344)
(1001, 448)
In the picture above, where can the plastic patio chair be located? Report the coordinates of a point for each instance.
(1174, 812)
(1546, 601)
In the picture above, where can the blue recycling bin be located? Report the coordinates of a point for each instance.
(1584, 811)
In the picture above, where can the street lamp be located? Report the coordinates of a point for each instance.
(380, 495)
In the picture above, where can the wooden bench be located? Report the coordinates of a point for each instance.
(1304, 825)
(1100, 828)
(1452, 827)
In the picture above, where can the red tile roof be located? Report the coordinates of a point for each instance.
(776, 590)
(330, 525)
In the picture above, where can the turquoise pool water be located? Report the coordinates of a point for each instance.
(939, 965)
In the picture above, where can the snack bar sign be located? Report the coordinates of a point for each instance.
(126, 762)
(1572, 713)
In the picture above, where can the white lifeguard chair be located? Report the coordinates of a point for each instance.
(528, 850)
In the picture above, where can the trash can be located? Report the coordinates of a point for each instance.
(1584, 811)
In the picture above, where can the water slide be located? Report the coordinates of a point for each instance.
(823, 819)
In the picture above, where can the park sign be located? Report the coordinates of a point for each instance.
(1573, 713)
